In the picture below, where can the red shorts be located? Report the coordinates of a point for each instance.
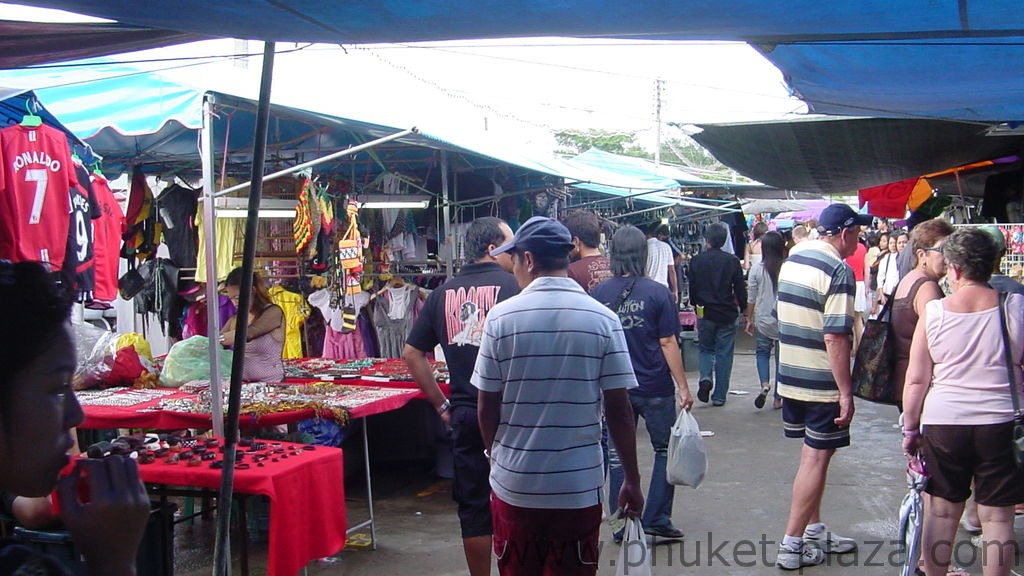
(536, 541)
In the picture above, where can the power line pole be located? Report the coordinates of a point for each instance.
(658, 85)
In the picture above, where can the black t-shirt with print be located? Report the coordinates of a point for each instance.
(453, 316)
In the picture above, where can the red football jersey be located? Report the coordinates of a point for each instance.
(107, 232)
(36, 177)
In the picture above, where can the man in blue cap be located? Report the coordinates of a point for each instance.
(548, 359)
(815, 308)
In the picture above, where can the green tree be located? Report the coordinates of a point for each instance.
(575, 142)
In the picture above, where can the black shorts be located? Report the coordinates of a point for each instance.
(471, 488)
(815, 423)
(957, 454)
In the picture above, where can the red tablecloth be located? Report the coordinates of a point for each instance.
(148, 414)
(307, 501)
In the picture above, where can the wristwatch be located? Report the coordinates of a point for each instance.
(444, 407)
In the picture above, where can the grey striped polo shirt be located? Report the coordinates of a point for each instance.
(550, 352)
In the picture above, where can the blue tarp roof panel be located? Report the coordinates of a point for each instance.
(949, 59)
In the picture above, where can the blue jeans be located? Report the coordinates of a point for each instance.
(765, 348)
(717, 342)
(659, 416)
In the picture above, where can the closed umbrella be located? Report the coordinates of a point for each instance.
(912, 517)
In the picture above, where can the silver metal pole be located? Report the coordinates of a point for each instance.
(446, 211)
(328, 158)
(212, 301)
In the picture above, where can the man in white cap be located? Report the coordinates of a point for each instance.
(549, 358)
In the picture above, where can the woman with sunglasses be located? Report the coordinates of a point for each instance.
(919, 287)
(958, 409)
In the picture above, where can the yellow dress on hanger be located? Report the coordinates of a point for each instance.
(226, 232)
(296, 310)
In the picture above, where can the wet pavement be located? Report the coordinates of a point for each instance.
(733, 522)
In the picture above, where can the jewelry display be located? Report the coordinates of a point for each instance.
(120, 396)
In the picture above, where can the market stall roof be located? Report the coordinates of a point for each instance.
(842, 155)
(918, 58)
(155, 121)
(32, 43)
(15, 104)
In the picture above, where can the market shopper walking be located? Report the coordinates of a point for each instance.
(760, 319)
(589, 267)
(459, 307)
(103, 504)
(815, 311)
(651, 325)
(660, 263)
(549, 359)
(716, 287)
(958, 409)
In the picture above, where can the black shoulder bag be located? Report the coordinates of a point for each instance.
(1017, 444)
(622, 297)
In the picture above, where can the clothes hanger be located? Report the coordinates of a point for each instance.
(30, 120)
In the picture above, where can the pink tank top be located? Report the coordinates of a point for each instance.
(969, 381)
(263, 359)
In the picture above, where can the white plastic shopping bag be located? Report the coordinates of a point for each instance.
(687, 459)
(634, 557)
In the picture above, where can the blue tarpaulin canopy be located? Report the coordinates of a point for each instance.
(954, 59)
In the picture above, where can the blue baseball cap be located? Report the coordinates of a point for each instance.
(835, 217)
(541, 236)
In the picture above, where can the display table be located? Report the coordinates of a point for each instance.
(383, 372)
(307, 499)
(130, 408)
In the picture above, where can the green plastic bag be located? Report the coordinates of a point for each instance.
(189, 360)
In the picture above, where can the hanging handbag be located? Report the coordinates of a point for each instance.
(873, 366)
(1017, 441)
(350, 246)
(135, 279)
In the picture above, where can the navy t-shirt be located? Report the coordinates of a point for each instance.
(647, 314)
(453, 316)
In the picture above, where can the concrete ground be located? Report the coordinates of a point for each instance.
(732, 522)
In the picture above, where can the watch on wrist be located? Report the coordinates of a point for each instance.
(444, 407)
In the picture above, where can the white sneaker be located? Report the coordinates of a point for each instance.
(808, 555)
(830, 542)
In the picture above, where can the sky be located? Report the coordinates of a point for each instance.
(520, 90)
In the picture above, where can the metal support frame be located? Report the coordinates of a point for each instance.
(212, 300)
(369, 491)
(328, 158)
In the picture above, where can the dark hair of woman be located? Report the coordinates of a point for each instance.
(971, 251)
(628, 252)
(758, 231)
(36, 308)
(260, 296)
(773, 252)
(483, 232)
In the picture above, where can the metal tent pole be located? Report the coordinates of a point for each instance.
(222, 555)
(449, 257)
(328, 158)
(210, 236)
